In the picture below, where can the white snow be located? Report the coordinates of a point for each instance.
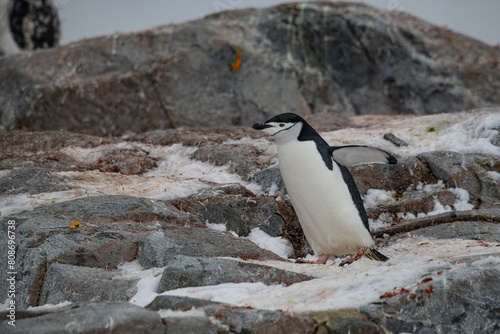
(494, 175)
(146, 287)
(146, 290)
(50, 306)
(439, 208)
(375, 197)
(277, 245)
(382, 221)
(10, 205)
(219, 227)
(462, 201)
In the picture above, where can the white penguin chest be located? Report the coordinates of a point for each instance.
(322, 200)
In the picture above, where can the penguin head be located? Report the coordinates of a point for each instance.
(283, 127)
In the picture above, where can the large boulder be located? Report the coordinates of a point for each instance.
(305, 58)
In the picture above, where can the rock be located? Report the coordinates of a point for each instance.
(107, 237)
(157, 249)
(60, 151)
(481, 231)
(270, 178)
(460, 170)
(55, 263)
(248, 320)
(189, 325)
(184, 271)
(239, 212)
(478, 218)
(406, 173)
(81, 284)
(43, 149)
(414, 202)
(32, 181)
(328, 61)
(395, 140)
(176, 303)
(107, 209)
(346, 321)
(87, 318)
(454, 303)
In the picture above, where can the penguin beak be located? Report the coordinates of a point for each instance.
(261, 126)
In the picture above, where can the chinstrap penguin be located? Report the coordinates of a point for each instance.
(322, 190)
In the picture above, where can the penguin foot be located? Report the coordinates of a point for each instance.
(355, 257)
(321, 260)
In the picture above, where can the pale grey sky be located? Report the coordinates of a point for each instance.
(88, 18)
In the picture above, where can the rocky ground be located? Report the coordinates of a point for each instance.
(185, 230)
(143, 202)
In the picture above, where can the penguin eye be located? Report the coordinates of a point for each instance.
(282, 125)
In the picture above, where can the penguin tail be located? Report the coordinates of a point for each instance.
(375, 255)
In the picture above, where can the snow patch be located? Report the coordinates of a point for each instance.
(277, 245)
(220, 227)
(217, 227)
(49, 306)
(146, 286)
(375, 197)
(462, 201)
(494, 175)
(14, 204)
(146, 291)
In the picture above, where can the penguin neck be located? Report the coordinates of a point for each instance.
(309, 134)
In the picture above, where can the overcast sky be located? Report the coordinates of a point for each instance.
(88, 18)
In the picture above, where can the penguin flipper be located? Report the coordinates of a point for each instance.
(353, 155)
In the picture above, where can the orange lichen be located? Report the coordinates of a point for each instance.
(74, 225)
(236, 65)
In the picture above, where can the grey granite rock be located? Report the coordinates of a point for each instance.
(326, 57)
(159, 248)
(458, 301)
(461, 170)
(189, 325)
(102, 241)
(87, 318)
(239, 212)
(177, 303)
(249, 320)
(184, 271)
(32, 181)
(65, 282)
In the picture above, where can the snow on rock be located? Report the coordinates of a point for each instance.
(464, 132)
(375, 197)
(176, 176)
(277, 245)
